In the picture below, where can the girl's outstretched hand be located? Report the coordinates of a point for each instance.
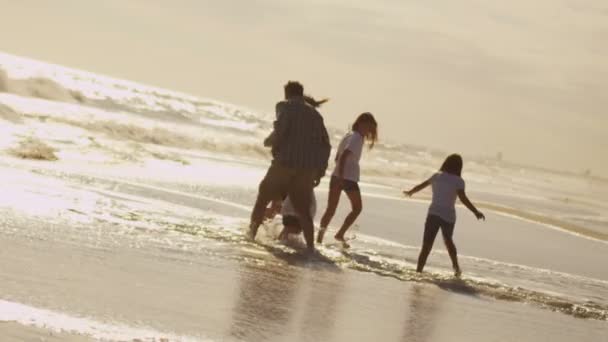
(480, 215)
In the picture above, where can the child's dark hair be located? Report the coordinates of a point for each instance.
(315, 103)
(452, 165)
(372, 136)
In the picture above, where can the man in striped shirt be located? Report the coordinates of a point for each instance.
(300, 150)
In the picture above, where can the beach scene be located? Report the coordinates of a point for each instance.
(126, 208)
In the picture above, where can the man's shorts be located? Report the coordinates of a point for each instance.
(281, 181)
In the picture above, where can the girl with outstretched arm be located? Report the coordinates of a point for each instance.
(447, 185)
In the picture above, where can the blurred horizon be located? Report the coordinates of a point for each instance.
(523, 80)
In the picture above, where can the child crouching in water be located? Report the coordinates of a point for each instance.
(291, 221)
(447, 184)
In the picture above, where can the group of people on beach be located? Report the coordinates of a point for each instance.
(301, 150)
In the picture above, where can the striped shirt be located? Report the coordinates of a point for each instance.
(301, 140)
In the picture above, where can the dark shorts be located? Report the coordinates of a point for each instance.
(281, 181)
(347, 185)
(432, 226)
(293, 223)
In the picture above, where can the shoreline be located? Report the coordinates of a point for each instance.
(520, 214)
(12, 331)
(566, 227)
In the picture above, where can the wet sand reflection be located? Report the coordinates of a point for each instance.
(264, 304)
(424, 304)
(326, 289)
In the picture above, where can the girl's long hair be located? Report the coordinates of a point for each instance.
(452, 165)
(372, 135)
(315, 103)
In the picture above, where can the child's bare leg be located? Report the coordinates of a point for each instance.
(431, 228)
(301, 196)
(424, 254)
(275, 208)
(283, 235)
(447, 230)
(357, 206)
(332, 203)
(451, 247)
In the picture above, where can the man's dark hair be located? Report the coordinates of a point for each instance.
(293, 88)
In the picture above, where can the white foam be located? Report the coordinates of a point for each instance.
(60, 322)
(180, 193)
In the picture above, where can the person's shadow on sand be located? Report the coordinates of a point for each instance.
(457, 285)
(296, 257)
(425, 304)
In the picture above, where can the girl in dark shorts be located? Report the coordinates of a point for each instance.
(446, 184)
(346, 174)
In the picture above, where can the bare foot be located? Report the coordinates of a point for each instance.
(321, 234)
(311, 253)
(342, 240)
(457, 272)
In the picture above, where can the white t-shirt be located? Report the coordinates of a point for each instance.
(445, 191)
(289, 210)
(353, 141)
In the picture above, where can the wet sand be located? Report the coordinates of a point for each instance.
(253, 294)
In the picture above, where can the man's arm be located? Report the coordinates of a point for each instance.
(281, 129)
(269, 141)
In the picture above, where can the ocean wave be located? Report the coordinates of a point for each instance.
(227, 136)
(390, 172)
(9, 114)
(161, 136)
(40, 87)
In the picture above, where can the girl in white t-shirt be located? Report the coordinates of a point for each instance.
(346, 174)
(446, 185)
